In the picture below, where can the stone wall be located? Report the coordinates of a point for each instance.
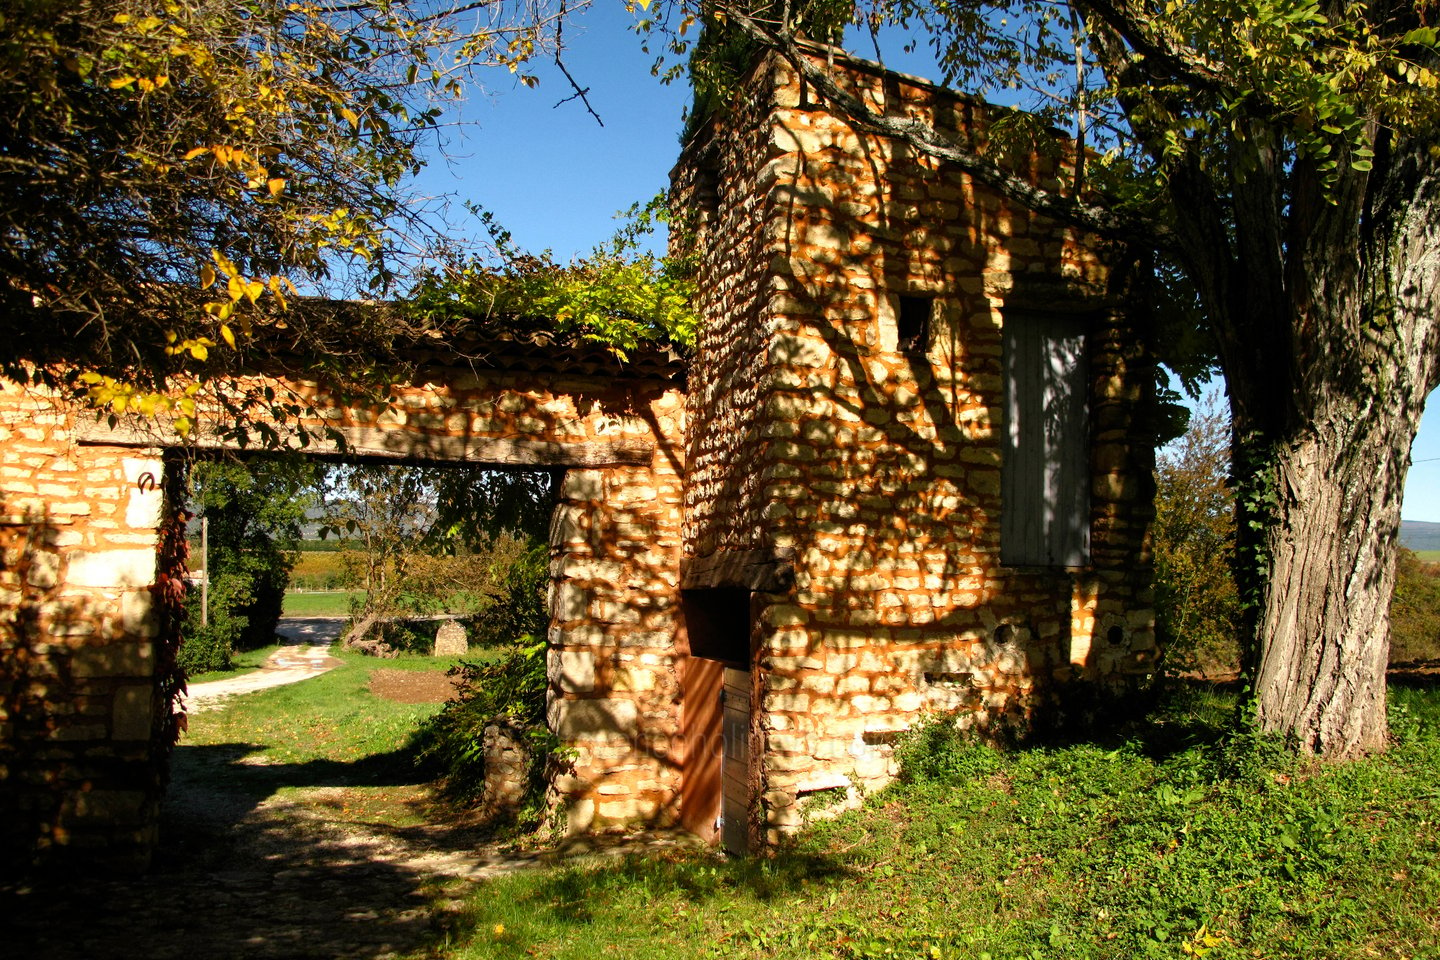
(77, 659)
(80, 718)
(879, 467)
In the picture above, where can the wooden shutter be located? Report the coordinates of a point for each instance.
(1045, 471)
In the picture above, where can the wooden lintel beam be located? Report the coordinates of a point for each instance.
(761, 571)
(400, 444)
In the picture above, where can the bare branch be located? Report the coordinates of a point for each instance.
(924, 137)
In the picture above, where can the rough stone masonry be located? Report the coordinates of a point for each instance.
(868, 314)
(905, 474)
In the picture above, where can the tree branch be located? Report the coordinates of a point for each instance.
(925, 138)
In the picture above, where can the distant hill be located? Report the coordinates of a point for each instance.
(1419, 535)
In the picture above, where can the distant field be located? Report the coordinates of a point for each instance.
(326, 603)
(1429, 556)
(317, 570)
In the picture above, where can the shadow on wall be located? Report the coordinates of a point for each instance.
(75, 710)
(902, 433)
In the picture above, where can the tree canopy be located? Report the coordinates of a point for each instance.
(175, 172)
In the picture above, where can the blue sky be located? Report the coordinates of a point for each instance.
(556, 179)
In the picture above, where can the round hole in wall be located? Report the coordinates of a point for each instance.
(1116, 636)
(1004, 633)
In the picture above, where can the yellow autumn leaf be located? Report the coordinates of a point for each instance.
(183, 425)
(275, 184)
(253, 289)
(223, 262)
(236, 287)
(198, 151)
(350, 115)
(117, 82)
(199, 351)
(207, 276)
(227, 335)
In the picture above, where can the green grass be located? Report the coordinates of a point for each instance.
(327, 603)
(330, 717)
(1429, 556)
(1135, 849)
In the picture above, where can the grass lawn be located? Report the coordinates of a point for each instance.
(1168, 842)
(329, 730)
(321, 603)
(1164, 846)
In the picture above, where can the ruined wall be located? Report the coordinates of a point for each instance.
(79, 710)
(882, 466)
(77, 660)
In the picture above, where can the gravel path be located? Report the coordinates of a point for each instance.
(305, 655)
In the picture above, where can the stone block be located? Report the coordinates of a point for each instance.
(573, 670)
(112, 569)
(580, 816)
(114, 660)
(450, 640)
(132, 714)
(606, 719)
(127, 807)
(137, 614)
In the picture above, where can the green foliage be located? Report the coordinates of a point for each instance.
(937, 750)
(618, 295)
(441, 539)
(517, 608)
(213, 646)
(1415, 610)
(1196, 603)
(173, 170)
(510, 687)
(256, 511)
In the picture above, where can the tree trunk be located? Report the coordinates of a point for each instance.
(1322, 626)
(1327, 389)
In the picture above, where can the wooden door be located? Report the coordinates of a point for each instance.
(735, 766)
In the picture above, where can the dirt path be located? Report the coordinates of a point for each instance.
(305, 655)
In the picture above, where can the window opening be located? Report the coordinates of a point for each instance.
(912, 324)
(1045, 476)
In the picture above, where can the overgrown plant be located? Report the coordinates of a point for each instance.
(175, 170)
(619, 295)
(255, 511)
(510, 688)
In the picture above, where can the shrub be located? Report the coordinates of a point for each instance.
(1414, 610)
(1197, 607)
(212, 646)
(937, 750)
(510, 687)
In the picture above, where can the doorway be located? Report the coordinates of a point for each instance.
(716, 786)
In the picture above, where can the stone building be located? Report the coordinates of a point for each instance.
(905, 473)
(915, 476)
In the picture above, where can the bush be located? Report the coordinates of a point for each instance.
(511, 687)
(212, 647)
(937, 750)
(1414, 610)
(1197, 606)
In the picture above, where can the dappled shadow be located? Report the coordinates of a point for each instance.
(244, 871)
(573, 896)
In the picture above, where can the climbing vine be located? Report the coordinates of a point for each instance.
(168, 593)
